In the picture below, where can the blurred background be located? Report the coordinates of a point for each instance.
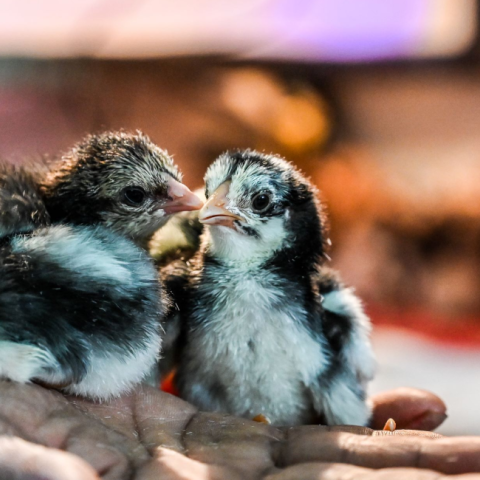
(378, 101)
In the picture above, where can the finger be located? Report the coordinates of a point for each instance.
(363, 431)
(338, 471)
(410, 408)
(447, 455)
(21, 460)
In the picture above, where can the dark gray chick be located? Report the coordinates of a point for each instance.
(80, 303)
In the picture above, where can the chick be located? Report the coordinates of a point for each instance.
(122, 181)
(264, 327)
(80, 303)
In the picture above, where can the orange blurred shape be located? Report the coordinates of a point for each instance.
(294, 116)
(167, 385)
(301, 122)
(260, 418)
(390, 426)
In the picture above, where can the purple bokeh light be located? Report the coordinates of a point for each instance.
(346, 30)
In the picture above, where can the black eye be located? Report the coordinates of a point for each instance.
(134, 196)
(261, 202)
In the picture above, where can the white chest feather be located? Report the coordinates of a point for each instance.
(256, 344)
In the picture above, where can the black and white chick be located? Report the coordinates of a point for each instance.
(264, 327)
(80, 303)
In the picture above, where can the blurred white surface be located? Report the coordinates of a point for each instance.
(315, 30)
(405, 360)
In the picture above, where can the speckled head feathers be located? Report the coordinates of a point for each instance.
(263, 201)
(254, 170)
(115, 178)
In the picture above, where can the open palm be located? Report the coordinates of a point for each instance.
(149, 434)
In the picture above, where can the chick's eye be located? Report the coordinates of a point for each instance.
(261, 202)
(134, 196)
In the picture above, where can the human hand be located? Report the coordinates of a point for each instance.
(149, 434)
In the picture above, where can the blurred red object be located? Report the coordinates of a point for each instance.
(463, 331)
(167, 384)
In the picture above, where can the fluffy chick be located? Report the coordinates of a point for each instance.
(264, 327)
(119, 180)
(80, 303)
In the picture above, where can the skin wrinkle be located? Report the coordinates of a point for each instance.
(125, 458)
(58, 438)
(109, 414)
(139, 454)
(417, 461)
(273, 457)
(344, 451)
(250, 454)
(278, 451)
(185, 431)
(118, 461)
(8, 429)
(106, 471)
(110, 461)
(147, 402)
(273, 451)
(136, 429)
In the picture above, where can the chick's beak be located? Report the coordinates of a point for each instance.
(181, 199)
(214, 211)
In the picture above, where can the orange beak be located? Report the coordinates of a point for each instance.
(214, 212)
(181, 198)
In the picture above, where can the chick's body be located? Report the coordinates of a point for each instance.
(79, 309)
(80, 301)
(265, 328)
